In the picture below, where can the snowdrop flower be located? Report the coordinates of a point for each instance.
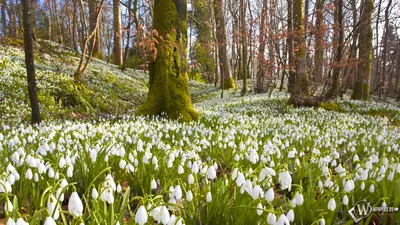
(271, 219)
(53, 207)
(122, 164)
(362, 186)
(50, 173)
(345, 200)
(332, 204)
(178, 192)
(259, 209)
(153, 184)
(141, 216)
(285, 180)
(322, 221)
(195, 168)
(61, 162)
(50, 221)
(59, 195)
(283, 220)
(107, 195)
(8, 207)
(164, 215)
(371, 188)
(10, 221)
(75, 206)
(208, 197)
(180, 169)
(28, 174)
(190, 179)
(212, 173)
(349, 186)
(189, 196)
(290, 215)
(95, 194)
(36, 177)
(240, 179)
(70, 171)
(234, 173)
(156, 213)
(270, 195)
(21, 221)
(119, 188)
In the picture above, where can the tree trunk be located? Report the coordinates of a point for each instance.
(261, 49)
(117, 34)
(168, 84)
(292, 78)
(385, 43)
(3, 20)
(225, 67)
(29, 62)
(361, 89)
(98, 50)
(338, 32)
(128, 35)
(243, 33)
(58, 25)
(300, 86)
(319, 41)
(74, 25)
(376, 80)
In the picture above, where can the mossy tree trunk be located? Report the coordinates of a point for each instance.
(319, 41)
(168, 84)
(93, 11)
(225, 66)
(117, 33)
(299, 86)
(29, 62)
(361, 89)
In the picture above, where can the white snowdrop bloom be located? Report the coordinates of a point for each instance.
(169, 163)
(384, 204)
(36, 177)
(141, 216)
(259, 209)
(240, 179)
(153, 184)
(195, 168)
(109, 182)
(271, 219)
(11, 179)
(257, 192)
(28, 174)
(64, 183)
(146, 158)
(322, 221)
(53, 207)
(61, 162)
(355, 158)
(164, 215)
(285, 180)
(119, 188)
(107, 195)
(122, 164)
(59, 195)
(50, 221)
(178, 192)
(156, 213)
(290, 215)
(57, 176)
(41, 168)
(190, 179)
(332, 204)
(208, 197)
(234, 173)
(237, 158)
(75, 206)
(269, 195)
(266, 172)
(130, 168)
(10, 221)
(171, 201)
(349, 185)
(362, 186)
(371, 188)
(50, 172)
(212, 173)
(283, 220)
(345, 200)
(8, 207)
(70, 171)
(390, 176)
(95, 194)
(189, 196)
(180, 169)
(171, 192)
(21, 221)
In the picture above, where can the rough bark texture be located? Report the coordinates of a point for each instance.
(98, 50)
(319, 41)
(3, 20)
(225, 66)
(299, 86)
(168, 85)
(117, 34)
(261, 49)
(29, 62)
(243, 31)
(361, 89)
(339, 33)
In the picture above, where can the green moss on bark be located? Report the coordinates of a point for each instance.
(169, 89)
(229, 83)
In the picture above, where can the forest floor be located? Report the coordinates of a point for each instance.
(247, 160)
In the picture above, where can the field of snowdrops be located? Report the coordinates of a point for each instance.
(247, 160)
